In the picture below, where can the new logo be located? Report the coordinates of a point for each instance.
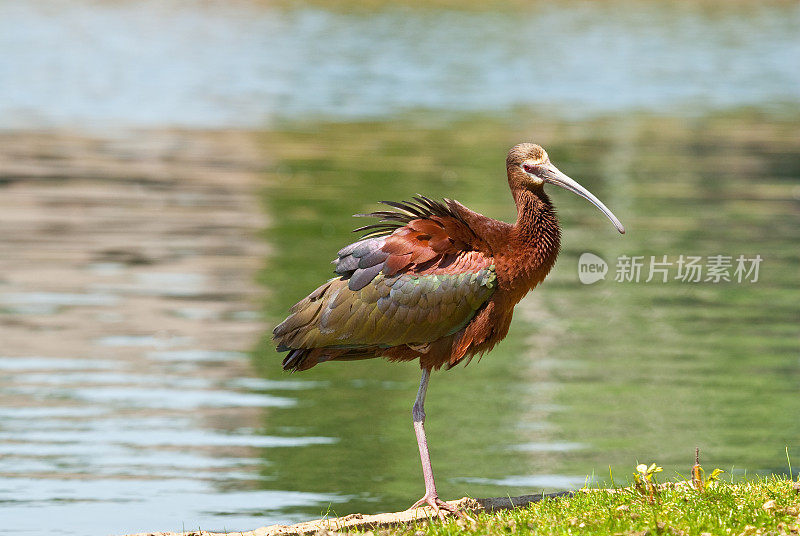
(591, 268)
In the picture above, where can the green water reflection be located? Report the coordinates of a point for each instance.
(590, 376)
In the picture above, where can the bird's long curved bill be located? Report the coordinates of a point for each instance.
(553, 175)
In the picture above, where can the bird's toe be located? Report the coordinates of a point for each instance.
(439, 506)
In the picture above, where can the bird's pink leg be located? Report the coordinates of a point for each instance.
(431, 497)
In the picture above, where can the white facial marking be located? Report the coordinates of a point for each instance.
(536, 180)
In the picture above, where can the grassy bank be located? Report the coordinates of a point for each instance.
(764, 506)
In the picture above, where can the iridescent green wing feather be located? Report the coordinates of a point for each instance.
(389, 311)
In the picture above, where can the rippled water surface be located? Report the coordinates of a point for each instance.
(140, 273)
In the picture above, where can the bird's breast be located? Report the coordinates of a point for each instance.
(522, 269)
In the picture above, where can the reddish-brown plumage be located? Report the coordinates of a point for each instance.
(433, 281)
(428, 239)
(523, 255)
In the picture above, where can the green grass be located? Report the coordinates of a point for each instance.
(768, 505)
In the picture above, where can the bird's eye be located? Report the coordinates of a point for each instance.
(529, 168)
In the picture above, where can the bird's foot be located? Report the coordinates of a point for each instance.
(438, 506)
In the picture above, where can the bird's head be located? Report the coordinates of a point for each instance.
(529, 167)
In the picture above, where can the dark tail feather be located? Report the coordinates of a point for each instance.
(294, 361)
(305, 358)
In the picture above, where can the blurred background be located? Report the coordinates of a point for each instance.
(175, 174)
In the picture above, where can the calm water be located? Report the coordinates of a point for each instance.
(242, 64)
(138, 386)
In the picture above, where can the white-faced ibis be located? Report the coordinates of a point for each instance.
(433, 281)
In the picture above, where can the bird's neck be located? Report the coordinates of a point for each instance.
(535, 238)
